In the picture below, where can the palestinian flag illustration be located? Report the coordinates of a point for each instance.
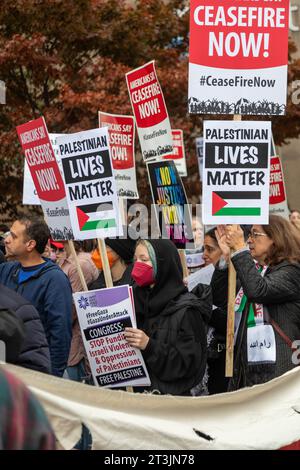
(95, 216)
(236, 203)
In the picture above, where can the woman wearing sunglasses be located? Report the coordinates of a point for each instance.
(267, 306)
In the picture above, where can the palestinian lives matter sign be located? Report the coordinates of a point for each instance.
(121, 140)
(241, 66)
(278, 200)
(170, 202)
(90, 184)
(151, 115)
(178, 152)
(30, 195)
(236, 176)
(38, 151)
(103, 316)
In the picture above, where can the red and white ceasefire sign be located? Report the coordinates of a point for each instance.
(121, 140)
(40, 157)
(238, 56)
(150, 112)
(278, 201)
(178, 152)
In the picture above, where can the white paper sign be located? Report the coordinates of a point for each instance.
(236, 176)
(103, 315)
(90, 184)
(261, 344)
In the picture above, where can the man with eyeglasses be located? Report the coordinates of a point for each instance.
(42, 283)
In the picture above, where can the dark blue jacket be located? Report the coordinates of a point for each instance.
(49, 290)
(34, 353)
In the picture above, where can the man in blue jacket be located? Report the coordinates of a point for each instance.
(42, 283)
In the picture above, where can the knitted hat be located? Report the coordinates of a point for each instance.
(124, 247)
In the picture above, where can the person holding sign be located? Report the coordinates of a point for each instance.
(171, 330)
(267, 306)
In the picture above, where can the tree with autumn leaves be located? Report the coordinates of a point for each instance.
(67, 59)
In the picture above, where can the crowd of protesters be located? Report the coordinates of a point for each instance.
(181, 328)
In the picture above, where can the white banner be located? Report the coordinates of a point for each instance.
(264, 417)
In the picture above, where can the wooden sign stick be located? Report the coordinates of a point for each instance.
(183, 263)
(107, 275)
(78, 267)
(123, 211)
(230, 307)
(105, 263)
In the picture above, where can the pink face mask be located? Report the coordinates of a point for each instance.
(143, 274)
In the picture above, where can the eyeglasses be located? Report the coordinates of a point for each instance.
(254, 235)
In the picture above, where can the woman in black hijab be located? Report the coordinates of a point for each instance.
(171, 321)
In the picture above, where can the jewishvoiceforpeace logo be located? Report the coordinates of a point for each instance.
(83, 302)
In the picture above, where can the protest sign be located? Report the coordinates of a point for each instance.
(103, 316)
(46, 175)
(90, 184)
(30, 195)
(241, 66)
(178, 152)
(194, 258)
(121, 140)
(171, 206)
(150, 112)
(236, 172)
(278, 200)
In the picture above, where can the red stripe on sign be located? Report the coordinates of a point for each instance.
(217, 203)
(82, 217)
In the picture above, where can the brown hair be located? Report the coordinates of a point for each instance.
(286, 241)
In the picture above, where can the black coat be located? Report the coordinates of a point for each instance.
(12, 334)
(174, 319)
(34, 351)
(279, 292)
(176, 353)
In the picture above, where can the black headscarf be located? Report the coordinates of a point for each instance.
(168, 281)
